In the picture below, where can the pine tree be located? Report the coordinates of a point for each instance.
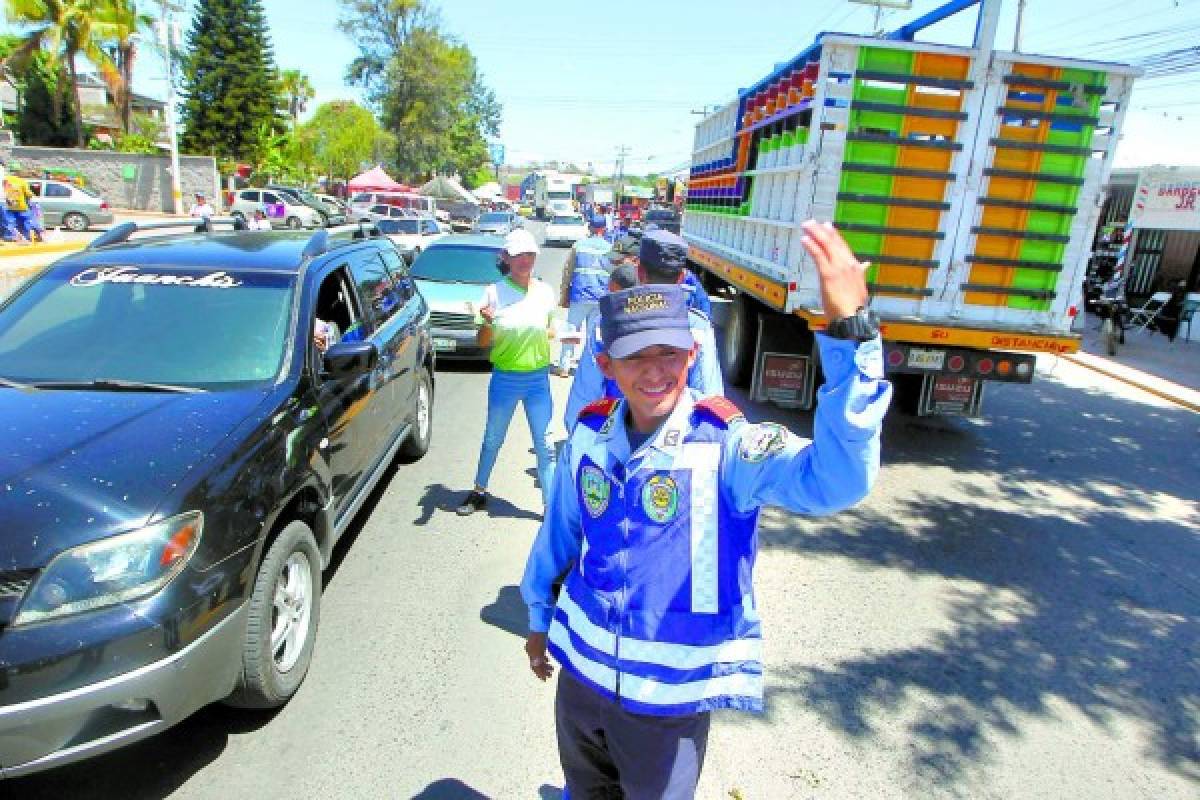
(229, 80)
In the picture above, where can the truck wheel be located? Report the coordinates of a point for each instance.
(737, 351)
(417, 443)
(281, 624)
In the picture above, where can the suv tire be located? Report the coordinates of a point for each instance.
(417, 443)
(275, 656)
(294, 223)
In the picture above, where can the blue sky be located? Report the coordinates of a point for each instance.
(579, 79)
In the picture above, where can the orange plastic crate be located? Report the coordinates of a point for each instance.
(919, 188)
(925, 158)
(939, 65)
(998, 217)
(918, 218)
(998, 247)
(908, 246)
(1010, 188)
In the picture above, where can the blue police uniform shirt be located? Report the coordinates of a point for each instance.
(657, 612)
(589, 277)
(697, 297)
(590, 384)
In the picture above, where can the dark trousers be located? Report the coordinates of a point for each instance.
(608, 752)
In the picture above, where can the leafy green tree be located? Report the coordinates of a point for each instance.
(64, 29)
(229, 82)
(425, 85)
(344, 136)
(43, 112)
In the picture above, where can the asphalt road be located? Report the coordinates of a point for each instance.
(1013, 613)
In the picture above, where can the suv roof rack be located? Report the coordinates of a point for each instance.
(122, 232)
(322, 239)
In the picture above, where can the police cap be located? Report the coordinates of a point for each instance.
(644, 316)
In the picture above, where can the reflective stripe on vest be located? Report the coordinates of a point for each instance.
(589, 278)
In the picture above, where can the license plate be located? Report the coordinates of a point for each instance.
(444, 344)
(926, 359)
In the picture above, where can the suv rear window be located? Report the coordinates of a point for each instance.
(202, 328)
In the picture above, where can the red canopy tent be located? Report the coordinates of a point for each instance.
(376, 180)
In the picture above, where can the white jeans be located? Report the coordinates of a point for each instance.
(576, 314)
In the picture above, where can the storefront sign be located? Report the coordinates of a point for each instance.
(1168, 199)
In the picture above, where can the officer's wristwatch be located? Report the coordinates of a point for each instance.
(861, 326)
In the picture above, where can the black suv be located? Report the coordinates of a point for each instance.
(665, 218)
(189, 423)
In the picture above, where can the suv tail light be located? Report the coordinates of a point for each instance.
(104, 205)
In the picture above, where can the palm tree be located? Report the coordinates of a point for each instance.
(295, 90)
(66, 29)
(119, 23)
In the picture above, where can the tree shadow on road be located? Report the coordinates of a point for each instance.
(1070, 580)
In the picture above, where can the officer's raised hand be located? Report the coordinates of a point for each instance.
(843, 277)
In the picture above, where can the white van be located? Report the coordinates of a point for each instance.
(361, 203)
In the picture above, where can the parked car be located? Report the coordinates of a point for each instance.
(665, 218)
(180, 457)
(498, 223)
(361, 202)
(73, 207)
(337, 202)
(566, 230)
(282, 209)
(411, 236)
(462, 216)
(382, 211)
(329, 214)
(451, 274)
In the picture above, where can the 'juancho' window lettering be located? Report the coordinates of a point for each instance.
(211, 280)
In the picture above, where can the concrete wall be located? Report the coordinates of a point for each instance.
(146, 187)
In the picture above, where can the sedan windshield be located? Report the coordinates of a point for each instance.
(456, 264)
(493, 218)
(567, 221)
(200, 328)
(393, 226)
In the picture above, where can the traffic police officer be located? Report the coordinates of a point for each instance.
(584, 282)
(654, 511)
(661, 259)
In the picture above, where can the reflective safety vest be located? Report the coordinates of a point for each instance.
(589, 279)
(659, 613)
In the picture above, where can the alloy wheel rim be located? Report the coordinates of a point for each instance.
(423, 412)
(291, 610)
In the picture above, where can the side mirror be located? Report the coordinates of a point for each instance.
(347, 359)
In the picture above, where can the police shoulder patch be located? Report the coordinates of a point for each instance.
(761, 440)
(720, 410)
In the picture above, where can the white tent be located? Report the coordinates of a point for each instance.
(489, 191)
(448, 189)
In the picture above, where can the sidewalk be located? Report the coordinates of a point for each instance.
(1170, 370)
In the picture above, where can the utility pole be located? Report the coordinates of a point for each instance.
(1017, 32)
(168, 43)
(622, 151)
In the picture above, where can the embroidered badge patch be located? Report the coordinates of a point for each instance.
(762, 440)
(595, 488)
(660, 498)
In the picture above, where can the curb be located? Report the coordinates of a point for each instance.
(40, 249)
(1145, 386)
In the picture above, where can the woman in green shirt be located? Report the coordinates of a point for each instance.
(515, 314)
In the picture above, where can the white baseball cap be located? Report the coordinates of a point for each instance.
(520, 241)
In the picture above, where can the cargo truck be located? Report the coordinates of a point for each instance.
(969, 178)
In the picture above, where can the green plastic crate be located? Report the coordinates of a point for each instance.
(880, 94)
(1061, 164)
(1051, 252)
(884, 155)
(865, 183)
(1048, 222)
(1058, 194)
(886, 59)
(868, 244)
(876, 121)
(861, 213)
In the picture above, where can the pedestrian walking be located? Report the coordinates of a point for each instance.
(653, 518)
(661, 260)
(584, 282)
(201, 208)
(17, 195)
(258, 220)
(515, 316)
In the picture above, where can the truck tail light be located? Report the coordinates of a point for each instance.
(895, 357)
(1004, 368)
(956, 363)
(1073, 312)
(984, 366)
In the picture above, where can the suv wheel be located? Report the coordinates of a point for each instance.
(417, 443)
(74, 221)
(239, 216)
(324, 219)
(281, 625)
(294, 223)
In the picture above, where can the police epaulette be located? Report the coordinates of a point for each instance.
(719, 409)
(600, 408)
